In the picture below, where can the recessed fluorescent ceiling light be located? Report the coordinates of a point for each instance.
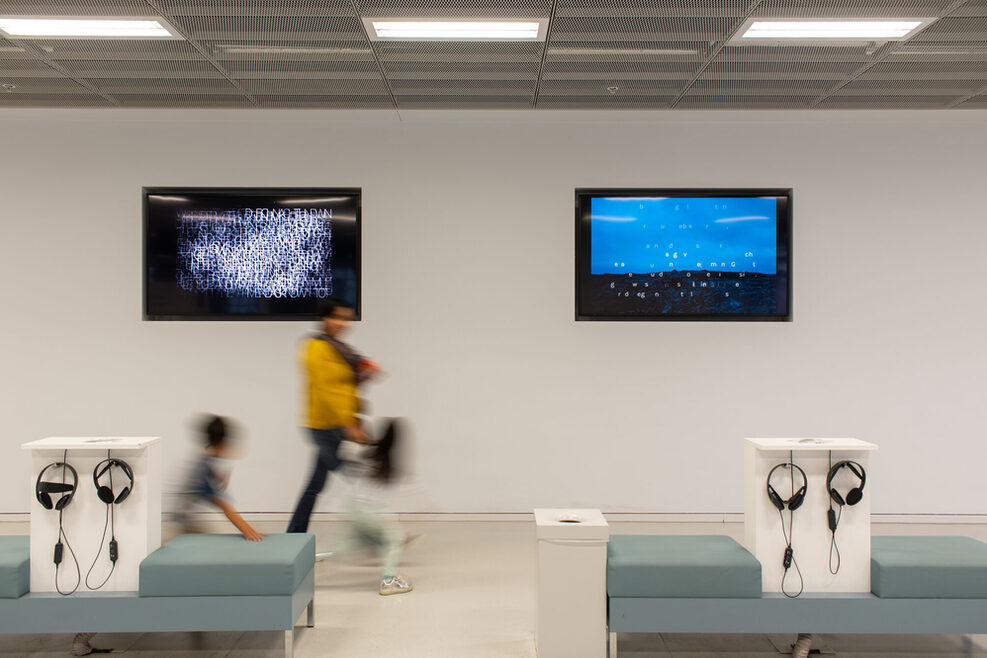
(85, 28)
(831, 29)
(289, 50)
(620, 51)
(456, 29)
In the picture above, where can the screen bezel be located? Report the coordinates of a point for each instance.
(248, 191)
(583, 248)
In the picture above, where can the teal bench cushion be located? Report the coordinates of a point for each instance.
(228, 565)
(681, 566)
(928, 568)
(15, 566)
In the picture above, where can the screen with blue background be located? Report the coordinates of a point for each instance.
(654, 234)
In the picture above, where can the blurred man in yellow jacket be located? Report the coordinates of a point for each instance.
(331, 372)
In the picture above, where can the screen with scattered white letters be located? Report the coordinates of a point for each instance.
(683, 254)
(249, 254)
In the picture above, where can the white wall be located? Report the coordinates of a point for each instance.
(468, 301)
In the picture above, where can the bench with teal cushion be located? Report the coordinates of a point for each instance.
(703, 584)
(226, 565)
(928, 568)
(681, 566)
(192, 583)
(15, 566)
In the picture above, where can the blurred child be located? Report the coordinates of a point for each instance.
(370, 471)
(208, 479)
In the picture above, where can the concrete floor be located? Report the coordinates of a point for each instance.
(474, 597)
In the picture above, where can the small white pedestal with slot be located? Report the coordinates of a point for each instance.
(572, 583)
(136, 520)
(812, 538)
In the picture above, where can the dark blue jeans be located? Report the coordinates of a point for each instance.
(327, 441)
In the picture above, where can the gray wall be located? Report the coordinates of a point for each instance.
(468, 301)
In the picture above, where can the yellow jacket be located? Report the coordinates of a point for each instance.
(329, 386)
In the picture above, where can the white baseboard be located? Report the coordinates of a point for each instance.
(615, 517)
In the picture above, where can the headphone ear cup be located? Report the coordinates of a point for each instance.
(45, 500)
(854, 496)
(123, 495)
(796, 501)
(775, 498)
(62, 502)
(835, 495)
(105, 494)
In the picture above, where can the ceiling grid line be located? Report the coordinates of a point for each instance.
(380, 67)
(715, 53)
(963, 99)
(153, 4)
(544, 54)
(43, 58)
(882, 55)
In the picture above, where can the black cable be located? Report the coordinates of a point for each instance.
(789, 558)
(791, 469)
(58, 544)
(102, 540)
(834, 520)
(833, 547)
(109, 522)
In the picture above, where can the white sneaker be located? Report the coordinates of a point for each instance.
(395, 585)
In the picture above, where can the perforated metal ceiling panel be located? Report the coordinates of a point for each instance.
(620, 54)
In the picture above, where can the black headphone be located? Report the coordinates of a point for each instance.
(797, 498)
(106, 493)
(44, 488)
(793, 503)
(854, 495)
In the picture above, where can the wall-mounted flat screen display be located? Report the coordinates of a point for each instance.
(683, 254)
(249, 254)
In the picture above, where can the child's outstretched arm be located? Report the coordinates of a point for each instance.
(245, 528)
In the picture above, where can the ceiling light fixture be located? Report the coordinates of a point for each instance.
(829, 29)
(22, 27)
(621, 51)
(450, 29)
(288, 50)
(937, 49)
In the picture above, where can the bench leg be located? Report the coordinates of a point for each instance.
(289, 641)
(802, 645)
(612, 646)
(310, 617)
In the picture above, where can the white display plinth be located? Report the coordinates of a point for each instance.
(572, 583)
(137, 519)
(812, 537)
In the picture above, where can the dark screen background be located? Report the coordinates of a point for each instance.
(249, 253)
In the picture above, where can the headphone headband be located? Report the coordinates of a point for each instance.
(856, 493)
(106, 493)
(43, 488)
(797, 498)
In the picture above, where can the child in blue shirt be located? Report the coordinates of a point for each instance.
(208, 480)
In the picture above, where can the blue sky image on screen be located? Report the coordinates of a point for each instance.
(662, 234)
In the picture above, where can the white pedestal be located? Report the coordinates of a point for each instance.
(572, 583)
(136, 520)
(812, 537)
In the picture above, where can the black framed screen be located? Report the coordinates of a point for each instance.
(242, 254)
(683, 254)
